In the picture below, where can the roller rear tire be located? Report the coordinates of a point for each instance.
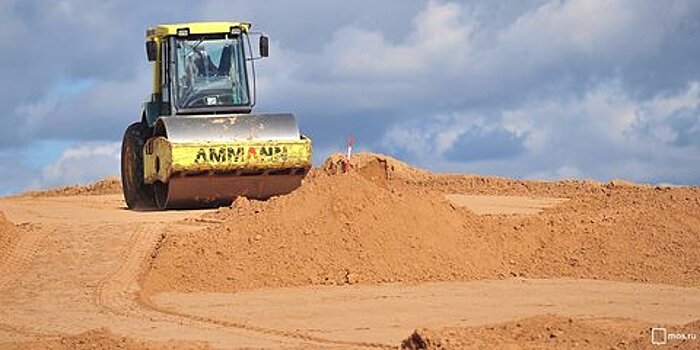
(137, 194)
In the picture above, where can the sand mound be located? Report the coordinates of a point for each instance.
(632, 234)
(335, 229)
(543, 332)
(376, 167)
(103, 339)
(110, 185)
(9, 235)
(4, 223)
(365, 227)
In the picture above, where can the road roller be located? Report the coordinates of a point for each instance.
(198, 142)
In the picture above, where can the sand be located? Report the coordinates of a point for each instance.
(377, 223)
(489, 204)
(10, 234)
(360, 256)
(102, 339)
(547, 332)
(111, 185)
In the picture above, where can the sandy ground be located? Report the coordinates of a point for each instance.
(380, 224)
(485, 204)
(81, 271)
(551, 332)
(384, 313)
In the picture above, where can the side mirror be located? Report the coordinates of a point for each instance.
(264, 46)
(151, 50)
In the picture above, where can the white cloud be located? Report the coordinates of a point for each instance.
(453, 55)
(604, 133)
(587, 27)
(96, 111)
(82, 163)
(440, 37)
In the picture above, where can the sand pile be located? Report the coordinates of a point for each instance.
(5, 225)
(333, 230)
(493, 185)
(110, 185)
(546, 332)
(9, 235)
(386, 222)
(376, 167)
(102, 339)
(638, 234)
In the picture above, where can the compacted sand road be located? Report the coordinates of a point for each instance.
(76, 267)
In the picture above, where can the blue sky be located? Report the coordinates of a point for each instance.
(531, 89)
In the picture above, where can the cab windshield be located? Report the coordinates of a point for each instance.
(211, 73)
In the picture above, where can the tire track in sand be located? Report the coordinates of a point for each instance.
(146, 302)
(112, 293)
(119, 293)
(15, 264)
(13, 267)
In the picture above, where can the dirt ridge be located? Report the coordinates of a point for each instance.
(103, 338)
(109, 185)
(545, 332)
(383, 221)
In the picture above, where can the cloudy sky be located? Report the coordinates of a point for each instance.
(531, 89)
